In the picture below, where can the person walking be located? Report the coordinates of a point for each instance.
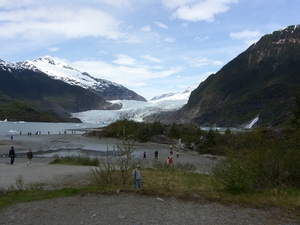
(171, 150)
(145, 155)
(12, 155)
(137, 177)
(29, 157)
(177, 154)
(170, 160)
(156, 154)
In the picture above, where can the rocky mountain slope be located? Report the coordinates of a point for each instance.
(260, 82)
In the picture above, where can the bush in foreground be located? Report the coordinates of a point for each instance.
(76, 160)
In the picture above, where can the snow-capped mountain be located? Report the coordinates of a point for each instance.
(136, 110)
(131, 108)
(64, 72)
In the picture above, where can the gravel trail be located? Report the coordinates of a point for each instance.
(134, 209)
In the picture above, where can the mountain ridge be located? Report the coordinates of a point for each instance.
(62, 71)
(260, 82)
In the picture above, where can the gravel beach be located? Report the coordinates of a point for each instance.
(121, 208)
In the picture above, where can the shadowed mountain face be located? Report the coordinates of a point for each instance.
(262, 81)
(39, 94)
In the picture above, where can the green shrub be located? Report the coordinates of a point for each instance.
(160, 165)
(117, 170)
(75, 160)
(184, 166)
(234, 174)
(292, 167)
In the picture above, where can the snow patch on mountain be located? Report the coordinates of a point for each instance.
(60, 71)
(175, 95)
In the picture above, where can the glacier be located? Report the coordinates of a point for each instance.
(135, 110)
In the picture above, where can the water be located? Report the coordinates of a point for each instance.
(58, 145)
(222, 129)
(61, 148)
(15, 128)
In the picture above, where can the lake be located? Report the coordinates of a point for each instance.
(17, 128)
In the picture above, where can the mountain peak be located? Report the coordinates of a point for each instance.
(60, 70)
(290, 34)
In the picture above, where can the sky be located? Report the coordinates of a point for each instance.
(150, 46)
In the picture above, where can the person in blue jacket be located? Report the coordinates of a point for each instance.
(137, 177)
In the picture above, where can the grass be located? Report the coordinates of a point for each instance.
(166, 183)
(193, 185)
(75, 160)
(15, 196)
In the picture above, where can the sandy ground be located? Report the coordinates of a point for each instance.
(120, 208)
(41, 171)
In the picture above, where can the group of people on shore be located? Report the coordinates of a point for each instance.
(12, 155)
(170, 158)
(136, 173)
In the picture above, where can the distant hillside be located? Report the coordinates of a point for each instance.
(37, 97)
(262, 81)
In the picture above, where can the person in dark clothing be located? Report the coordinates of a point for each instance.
(29, 157)
(156, 154)
(12, 155)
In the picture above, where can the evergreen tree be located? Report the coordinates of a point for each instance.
(296, 112)
(174, 131)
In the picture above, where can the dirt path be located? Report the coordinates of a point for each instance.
(134, 209)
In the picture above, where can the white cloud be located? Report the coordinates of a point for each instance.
(218, 63)
(8, 4)
(173, 4)
(103, 52)
(124, 60)
(201, 38)
(134, 75)
(115, 3)
(54, 49)
(199, 62)
(146, 28)
(249, 37)
(169, 39)
(197, 10)
(48, 22)
(159, 24)
(202, 61)
(151, 58)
